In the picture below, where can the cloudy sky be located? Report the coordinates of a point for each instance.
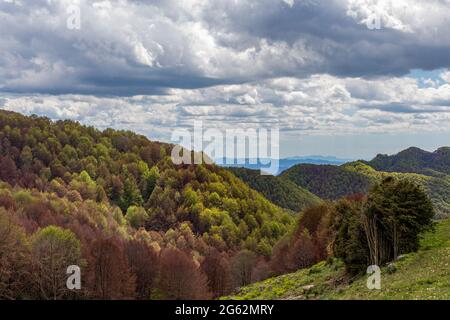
(350, 78)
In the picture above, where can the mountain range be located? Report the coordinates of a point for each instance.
(281, 191)
(415, 160)
(331, 182)
(283, 163)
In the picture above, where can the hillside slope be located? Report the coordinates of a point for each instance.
(221, 209)
(127, 170)
(334, 182)
(421, 275)
(279, 190)
(437, 187)
(114, 203)
(414, 160)
(327, 181)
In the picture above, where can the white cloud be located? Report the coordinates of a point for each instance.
(424, 19)
(446, 76)
(290, 3)
(317, 105)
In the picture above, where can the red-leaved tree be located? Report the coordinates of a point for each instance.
(217, 268)
(180, 278)
(109, 276)
(144, 264)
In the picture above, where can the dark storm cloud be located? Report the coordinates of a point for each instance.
(141, 47)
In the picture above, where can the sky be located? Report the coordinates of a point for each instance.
(347, 78)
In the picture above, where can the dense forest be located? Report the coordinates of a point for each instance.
(116, 196)
(277, 189)
(327, 181)
(139, 227)
(335, 182)
(414, 160)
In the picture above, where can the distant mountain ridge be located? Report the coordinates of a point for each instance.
(414, 160)
(284, 163)
(428, 169)
(319, 158)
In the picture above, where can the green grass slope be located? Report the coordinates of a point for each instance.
(421, 275)
(279, 190)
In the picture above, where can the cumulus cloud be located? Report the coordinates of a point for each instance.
(321, 104)
(131, 47)
(446, 76)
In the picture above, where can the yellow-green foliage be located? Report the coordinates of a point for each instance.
(92, 169)
(44, 208)
(223, 210)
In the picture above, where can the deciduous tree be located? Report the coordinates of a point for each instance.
(144, 264)
(53, 250)
(217, 268)
(180, 278)
(110, 276)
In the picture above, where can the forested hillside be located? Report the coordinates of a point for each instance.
(437, 187)
(414, 160)
(279, 190)
(334, 182)
(115, 198)
(140, 227)
(327, 181)
(333, 244)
